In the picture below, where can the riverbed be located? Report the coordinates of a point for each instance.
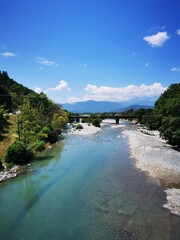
(86, 187)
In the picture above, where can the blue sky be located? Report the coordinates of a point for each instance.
(76, 50)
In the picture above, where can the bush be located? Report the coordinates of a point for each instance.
(79, 126)
(1, 165)
(17, 153)
(97, 122)
(39, 146)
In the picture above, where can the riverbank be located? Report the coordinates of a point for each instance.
(16, 170)
(160, 160)
(13, 172)
(86, 130)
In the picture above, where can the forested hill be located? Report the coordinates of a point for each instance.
(39, 120)
(11, 92)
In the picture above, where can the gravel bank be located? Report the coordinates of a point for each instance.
(154, 155)
(86, 130)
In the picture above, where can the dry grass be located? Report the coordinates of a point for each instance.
(9, 136)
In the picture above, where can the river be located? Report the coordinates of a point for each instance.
(86, 188)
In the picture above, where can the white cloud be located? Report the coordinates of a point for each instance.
(133, 54)
(156, 28)
(82, 65)
(175, 69)
(130, 92)
(157, 40)
(63, 85)
(73, 99)
(8, 54)
(46, 62)
(178, 32)
(38, 90)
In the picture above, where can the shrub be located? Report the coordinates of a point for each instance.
(96, 122)
(39, 146)
(49, 134)
(17, 153)
(79, 126)
(1, 165)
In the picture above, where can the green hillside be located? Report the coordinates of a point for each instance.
(11, 92)
(39, 120)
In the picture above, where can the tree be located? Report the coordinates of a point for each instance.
(96, 122)
(167, 114)
(17, 153)
(58, 122)
(78, 126)
(29, 122)
(3, 118)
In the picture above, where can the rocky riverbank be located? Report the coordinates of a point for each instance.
(160, 160)
(86, 130)
(13, 172)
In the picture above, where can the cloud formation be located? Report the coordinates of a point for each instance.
(175, 69)
(8, 54)
(156, 28)
(46, 62)
(178, 32)
(130, 92)
(38, 90)
(157, 40)
(73, 99)
(82, 65)
(63, 85)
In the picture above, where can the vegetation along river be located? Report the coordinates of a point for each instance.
(84, 188)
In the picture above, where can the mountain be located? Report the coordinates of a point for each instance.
(92, 106)
(135, 107)
(101, 106)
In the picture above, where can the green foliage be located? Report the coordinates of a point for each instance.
(167, 112)
(1, 165)
(78, 126)
(39, 145)
(11, 92)
(87, 120)
(39, 119)
(96, 122)
(17, 153)
(165, 117)
(50, 134)
(29, 122)
(59, 121)
(3, 118)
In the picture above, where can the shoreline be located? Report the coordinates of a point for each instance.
(12, 173)
(87, 130)
(153, 155)
(16, 170)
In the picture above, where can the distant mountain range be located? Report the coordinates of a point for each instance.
(105, 106)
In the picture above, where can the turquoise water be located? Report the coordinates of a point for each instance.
(85, 188)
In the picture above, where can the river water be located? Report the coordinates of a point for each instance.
(85, 188)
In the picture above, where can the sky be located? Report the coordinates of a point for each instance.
(103, 50)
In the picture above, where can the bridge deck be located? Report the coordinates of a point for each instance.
(106, 116)
(116, 117)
